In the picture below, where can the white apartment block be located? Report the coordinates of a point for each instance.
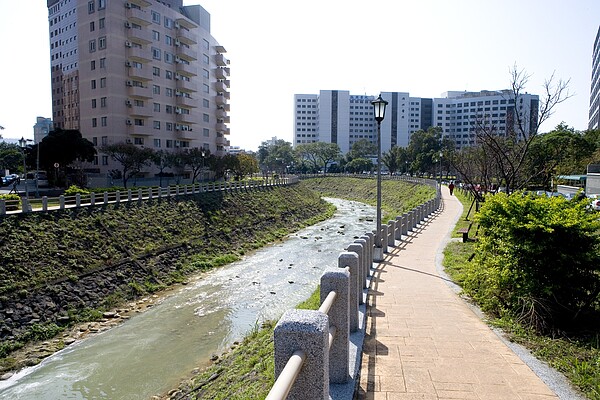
(138, 71)
(336, 116)
(594, 114)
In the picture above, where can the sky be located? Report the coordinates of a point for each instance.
(281, 48)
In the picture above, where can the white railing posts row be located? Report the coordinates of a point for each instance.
(24, 205)
(312, 347)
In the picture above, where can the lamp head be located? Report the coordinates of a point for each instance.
(379, 108)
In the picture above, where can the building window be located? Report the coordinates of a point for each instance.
(205, 59)
(205, 88)
(102, 101)
(93, 84)
(156, 107)
(168, 23)
(156, 142)
(205, 73)
(205, 103)
(101, 23)
(90, 7)
(155, 89)
(104, 121)
(156, 53)
(155, 17)
(169, 92)
(102, 43)
(94, 122)
(169, 57)
(169, 74)
(93, 103)
(104, 140)
(104, 160)
(156, 125)
(169, 143)
(205, 117)
(168, 40)
(205, 132)
(95, 140)
(155, 71)
(103, 62)
(138, 140)
(92, 45)
(92, 26)
(205, 44)
(101, 4)
(102, 82)
(156, 36)
(169, 109)
(93, 65)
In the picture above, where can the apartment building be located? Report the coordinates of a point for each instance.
(42, 127)
(142, 72)
(594, 115)
(336, 116)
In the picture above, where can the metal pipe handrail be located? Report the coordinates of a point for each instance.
(286, 379)
(328, 302)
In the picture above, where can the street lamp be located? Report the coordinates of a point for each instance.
(23, 146)
(379, 113)
(441, 154)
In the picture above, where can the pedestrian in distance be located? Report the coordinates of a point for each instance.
(451, 187)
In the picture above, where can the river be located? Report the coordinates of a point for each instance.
(150, 353)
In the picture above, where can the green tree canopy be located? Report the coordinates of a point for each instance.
(11, 157)
(362, 149)
(319, 154)
(131, 157)
(62, 147)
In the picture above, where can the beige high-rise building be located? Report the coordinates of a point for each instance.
(138, 71)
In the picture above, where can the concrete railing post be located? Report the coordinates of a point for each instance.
(405, 224)
(338, 281)
(352, 260)
(308, 331)
(129, 195)
(140, 195)
(105, 198)
(391, 233)
(117, 196)
(2, 207)
(368, 259)
(77, 200)
(92, 198)
(384, 238)
(398, 234)
(371, 251)
(61, 202)
(45, 203)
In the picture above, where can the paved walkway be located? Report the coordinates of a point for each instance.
(424, 342)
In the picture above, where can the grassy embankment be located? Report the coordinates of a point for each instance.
(576, 355)
(247, 372)
(209, 230)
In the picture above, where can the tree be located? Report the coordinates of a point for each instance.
(131, 158)
(395, 159)
(221, 165)
(362, 149)
(275, 156)
(507, 153)
(319, 154)
(424, 149)
(246, 165)
(196, 159)
(62, 147)
(163, 160)
(11, 157)
(359, 165)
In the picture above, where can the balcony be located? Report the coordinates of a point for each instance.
(139, 92)
(221, 73)
(141, 3)
(140, 73)
(185, 69)
(186, 86)
(221, 140)
(220, 100)
(221, 61)
(187, 53)
(139, 111)
(138, 16)
(186, 23)
(186, 102)
(221, 86)
(141, 36)
(220, 49)
(221, 113)
(139, 130)
(139, 55)
(185, 119)
(185, 36)
(220, 127)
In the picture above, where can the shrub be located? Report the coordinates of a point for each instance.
(537, 259)
(13, 201)
(74, 189)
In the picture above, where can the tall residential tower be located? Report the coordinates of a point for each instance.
(139, 71)
(594, 115)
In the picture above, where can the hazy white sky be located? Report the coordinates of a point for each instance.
(279, 48)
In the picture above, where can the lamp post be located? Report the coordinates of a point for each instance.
(441, 154)
(23, 146)
(379, 113)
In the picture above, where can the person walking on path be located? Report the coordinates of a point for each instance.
(423, 341)
(451, 187)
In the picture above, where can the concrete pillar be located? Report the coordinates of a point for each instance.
(405, 224)
(391, 233)
(77, 200)
(93, 199)
(368, 262)
(117, 196)
(308, 331)
(105, 198)
(384, 238)
(338, 281)
(364, 260)
(409, 221)
(140, 195)
(347, 259)
(2, 207)
(45, 203)
(371, 255)
(24, 205)
(61, 202)
(399, 227)
(129, 195)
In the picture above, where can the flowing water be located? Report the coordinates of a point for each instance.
(151, 352)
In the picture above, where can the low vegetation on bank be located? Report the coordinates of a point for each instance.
(41, 250)
(535, 271)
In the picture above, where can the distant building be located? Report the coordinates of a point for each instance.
(594, 115)
(336, 116)
(143, 72)
(42, 127)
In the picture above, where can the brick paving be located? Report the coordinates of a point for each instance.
(424, 342)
